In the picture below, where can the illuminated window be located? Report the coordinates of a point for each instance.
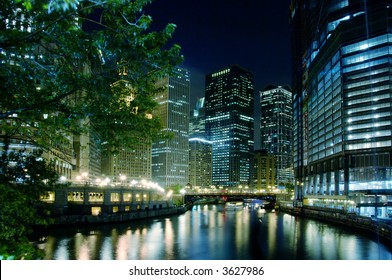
(369, 145)
(115, 197)
(48, 197)
(95, 197)
(75, 196)
(127, 197)
(95, 211)
(363, 45)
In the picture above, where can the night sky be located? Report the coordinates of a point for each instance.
(215, 34)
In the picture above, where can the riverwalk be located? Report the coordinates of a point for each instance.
(382, 228)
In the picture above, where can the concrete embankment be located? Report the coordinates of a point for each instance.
(379, 227)
(118, 217)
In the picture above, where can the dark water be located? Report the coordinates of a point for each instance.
(213, 232)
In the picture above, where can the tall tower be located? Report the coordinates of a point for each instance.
(276, 129)
(229, 125)
(342, 96)
(197, 120)
(200, 163)
(170, 157)
(200, 149)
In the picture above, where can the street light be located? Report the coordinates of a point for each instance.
(169, 195)
(84, 177)
(133, 183)
(183, 192)
(122, 179)
(106, 181)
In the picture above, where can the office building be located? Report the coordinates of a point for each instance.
(200, 163)
(200, 149)
(87, 156)
(342, 99)
(129, 164)
(264, 171)
(20, 131)
(197, 120)
(170, 157)
(276, 129)
(229, 125)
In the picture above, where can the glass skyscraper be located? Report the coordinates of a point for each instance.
(170, 157)
(200, 149)
(342, 96)
(197, 120)
(229, 125)
(276, 129)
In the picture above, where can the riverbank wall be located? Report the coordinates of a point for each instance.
(380, 228)
(117, 217)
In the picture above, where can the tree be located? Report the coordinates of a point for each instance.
(60, 60)
(68, 66)
(289, 187)
(175, 188)
(24, 179)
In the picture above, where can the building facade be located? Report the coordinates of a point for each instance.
(200, 163)
(276, 129)
(200, 149)
(264, 171)
(74, 154)
(197, 120)
(342, 98)
(87, 156)
(170, 157)
(129, 164)
(95, 200)
(229, 125)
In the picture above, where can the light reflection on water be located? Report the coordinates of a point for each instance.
(213, 232)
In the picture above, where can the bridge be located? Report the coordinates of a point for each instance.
(222, 196)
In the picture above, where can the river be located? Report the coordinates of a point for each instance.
(213, 232)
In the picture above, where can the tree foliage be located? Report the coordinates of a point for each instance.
(68, 66)
(24, 178)
(61, 63)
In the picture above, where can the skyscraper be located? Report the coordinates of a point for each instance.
(200, 163)
(200, 149)
(342, 96)
(197, 120)
(276, 129)
(75, 153)
(134, 164)
(229, 125)
(170, 157)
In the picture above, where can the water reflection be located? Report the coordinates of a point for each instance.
(213, 232)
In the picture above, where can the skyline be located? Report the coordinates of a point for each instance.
(89, 119)
(252, 34)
